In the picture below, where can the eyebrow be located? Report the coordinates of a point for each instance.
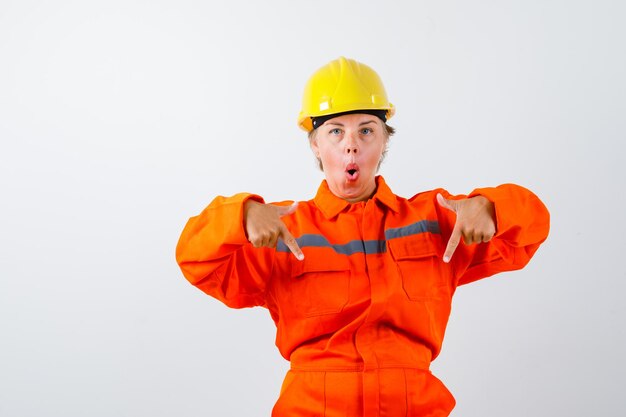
(360, 124)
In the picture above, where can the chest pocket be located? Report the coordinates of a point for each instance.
(419, 262)
(320, 284)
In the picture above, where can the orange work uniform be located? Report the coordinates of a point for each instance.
(364, 314)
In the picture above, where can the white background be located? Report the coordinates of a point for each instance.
(121, 119)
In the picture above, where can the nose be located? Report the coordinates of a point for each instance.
(351, 146)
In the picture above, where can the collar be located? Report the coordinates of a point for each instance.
(331, 205)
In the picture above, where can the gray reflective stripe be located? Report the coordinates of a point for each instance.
(360, 246)
(424, 226)
(375, 246)
(352, 247)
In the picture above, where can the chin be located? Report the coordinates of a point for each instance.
(353, 193)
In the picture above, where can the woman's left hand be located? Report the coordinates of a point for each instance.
(475, 222)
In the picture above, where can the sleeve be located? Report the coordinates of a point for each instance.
(216, 257)
(522, 224)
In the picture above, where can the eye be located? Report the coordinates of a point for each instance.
(335, 131)
(366, 131)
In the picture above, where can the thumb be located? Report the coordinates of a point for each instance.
(451, 205)
(286, 210)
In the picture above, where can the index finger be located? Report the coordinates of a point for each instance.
(291, 243)
(453, 242)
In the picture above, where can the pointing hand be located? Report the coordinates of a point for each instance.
(264, 227)
(475, 221)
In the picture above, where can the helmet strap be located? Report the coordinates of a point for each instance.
(320, 120)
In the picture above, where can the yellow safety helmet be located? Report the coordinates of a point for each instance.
(343, 85)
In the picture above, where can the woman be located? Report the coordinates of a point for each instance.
(358, 280)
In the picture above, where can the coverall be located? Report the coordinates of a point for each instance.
(364, 314)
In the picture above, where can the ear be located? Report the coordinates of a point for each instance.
(314, 146)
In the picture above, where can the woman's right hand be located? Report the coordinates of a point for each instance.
(264, 227)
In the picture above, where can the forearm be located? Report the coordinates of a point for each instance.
(215, 256)
(522, 224)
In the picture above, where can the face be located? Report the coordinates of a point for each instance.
(350, 148)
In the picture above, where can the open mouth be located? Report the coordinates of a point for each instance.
(352, 172)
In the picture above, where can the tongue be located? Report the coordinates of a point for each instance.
(352, 174)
